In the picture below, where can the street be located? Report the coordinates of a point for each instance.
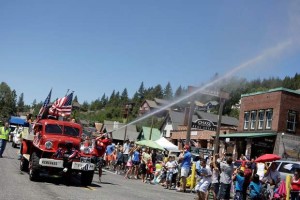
(15, 184)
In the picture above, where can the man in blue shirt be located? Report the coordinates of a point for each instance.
(185, 159)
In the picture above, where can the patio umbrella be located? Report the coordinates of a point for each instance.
(150, 143)
(268, 158)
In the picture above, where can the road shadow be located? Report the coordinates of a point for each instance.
(108, 183)
(74, 181)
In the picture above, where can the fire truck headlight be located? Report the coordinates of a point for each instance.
(48, 145)
(86, 150)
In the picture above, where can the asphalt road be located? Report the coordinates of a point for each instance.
(15, 185)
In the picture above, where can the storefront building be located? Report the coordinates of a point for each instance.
(268, 123)
(203, 129)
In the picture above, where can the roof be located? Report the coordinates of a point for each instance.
(161, 101)
(248, 135)
(226, 120)
(118, 130)
(177, 118)
(152, 104)
(145, 134)
(83, 122)
(272, 90)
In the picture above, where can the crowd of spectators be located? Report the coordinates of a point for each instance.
(218, 177)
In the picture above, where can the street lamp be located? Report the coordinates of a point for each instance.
(284, 152)
(128, 108)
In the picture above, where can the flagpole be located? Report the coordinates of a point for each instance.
(67, 92)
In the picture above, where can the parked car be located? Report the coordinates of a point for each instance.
(17, 134)
(286, 167)
(12, 132)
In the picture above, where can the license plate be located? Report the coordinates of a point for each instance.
(83, 166)
(51, 163)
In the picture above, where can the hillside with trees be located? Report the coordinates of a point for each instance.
(112, 107)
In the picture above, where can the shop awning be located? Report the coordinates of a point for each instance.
(247, 135)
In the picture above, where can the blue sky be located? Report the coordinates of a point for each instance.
(95, 47)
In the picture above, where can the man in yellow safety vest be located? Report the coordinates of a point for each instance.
(4, 133)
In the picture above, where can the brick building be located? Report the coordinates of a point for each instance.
(268, 123)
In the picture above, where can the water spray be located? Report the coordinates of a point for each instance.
(271, 52)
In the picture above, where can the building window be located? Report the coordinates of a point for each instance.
(291, 121)
(261, 119)
(253, 120)
(246, 121)
(269, 115)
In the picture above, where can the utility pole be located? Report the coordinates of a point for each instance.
(190, 119)
(223, 96)
(128, 108)
(150, 137)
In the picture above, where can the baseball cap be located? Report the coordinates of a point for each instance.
(186, 147)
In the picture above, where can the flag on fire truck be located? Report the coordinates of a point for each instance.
(62, 106)
(45, 105)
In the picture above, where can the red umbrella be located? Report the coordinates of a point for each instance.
(268, 158)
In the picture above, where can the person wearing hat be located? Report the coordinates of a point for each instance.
(185, 159)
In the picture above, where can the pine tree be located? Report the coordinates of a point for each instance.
(141, 91)
(124, 96)
(157, 92)
(7, 101)
(103, 100)
(21, 104)
(168, 93)
(178, 92)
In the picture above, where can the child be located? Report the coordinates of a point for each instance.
(170, 166)
(149, 170)
(157, 173)
(119, 160)
(255, 188)
(238, 176)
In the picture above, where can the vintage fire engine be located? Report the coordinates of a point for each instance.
(55, 147)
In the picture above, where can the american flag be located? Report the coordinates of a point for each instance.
(62, 106)
(45, 104)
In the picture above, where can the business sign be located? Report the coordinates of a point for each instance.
(204, 124)
(202, 151)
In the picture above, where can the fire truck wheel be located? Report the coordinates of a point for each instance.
(24, 164)
(34, 167)
(87, 177)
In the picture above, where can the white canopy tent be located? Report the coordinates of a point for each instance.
(167, 144)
